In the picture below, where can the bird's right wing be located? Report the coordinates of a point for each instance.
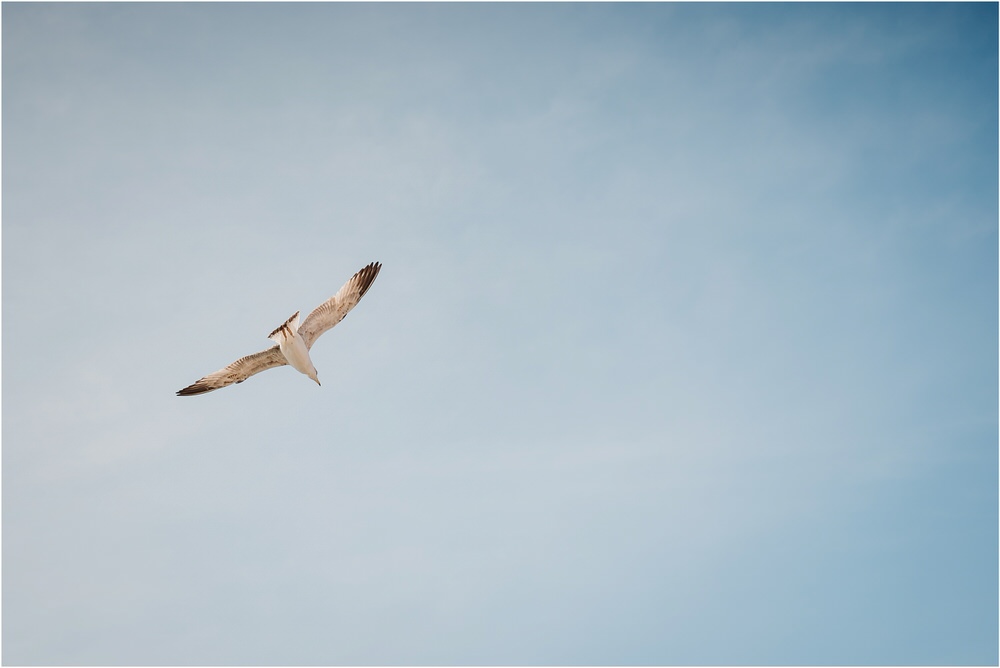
(333, 310)
(236, 372)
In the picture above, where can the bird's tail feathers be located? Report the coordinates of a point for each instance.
(286, 331)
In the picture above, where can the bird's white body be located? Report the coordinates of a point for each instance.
(293, 347)
(295, 352)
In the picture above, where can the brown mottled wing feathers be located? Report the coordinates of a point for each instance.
(333, 310)
(236, 372)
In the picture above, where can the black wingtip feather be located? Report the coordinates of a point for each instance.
(194, 389)
(367, 277)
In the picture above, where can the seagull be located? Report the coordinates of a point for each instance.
(293, 341)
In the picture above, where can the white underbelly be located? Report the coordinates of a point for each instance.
(295, 351)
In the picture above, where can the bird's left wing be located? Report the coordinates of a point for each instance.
(333, 310)
(237, 372)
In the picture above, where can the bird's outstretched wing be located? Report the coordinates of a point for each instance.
(333, 310)
(236, 372)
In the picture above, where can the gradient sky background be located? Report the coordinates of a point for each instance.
(684, 349)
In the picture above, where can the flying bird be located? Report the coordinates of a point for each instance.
(293, 341)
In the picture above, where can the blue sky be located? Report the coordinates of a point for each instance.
(684, 350)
